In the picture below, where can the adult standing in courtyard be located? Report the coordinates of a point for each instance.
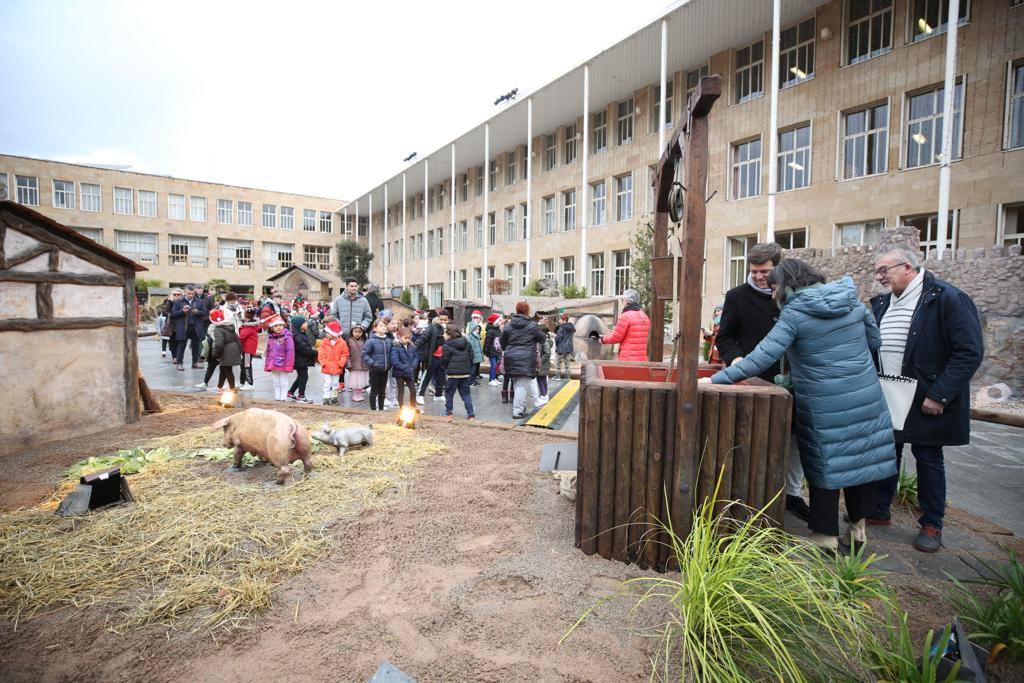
(351, 309)
(189, 316)
(931, 333)
(519, 343)
(631, 329)
(748, 315)
(373, 299)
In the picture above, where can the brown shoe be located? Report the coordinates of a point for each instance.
(929, 540)
(198, 365)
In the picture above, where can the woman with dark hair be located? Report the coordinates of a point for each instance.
(842, 422)
(519, 342)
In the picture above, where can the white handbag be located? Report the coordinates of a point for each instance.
(899, 395)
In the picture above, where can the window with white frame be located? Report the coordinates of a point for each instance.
(523, 163)
(27, 190)
(620, 275)
(363, 227)
(510, 168)
(493, 185)
(346, 225)
(316, 257)
(569, 148)
(478, 283)
(596, 264)
(550, 219)
(95, 234)
(463, 291)
(432, 248)
(523, 275)
(1015, 106)
(197, 209)
(550, 152)
(464, 187)
(693, 80)
(600, 131)
(417, 294)
(794, 158)
(124, 201)
(859, 233)
(1011, 224)
(510, 224)
(866, 141)
(796, 54)
(598, 208)
(510, 275)
(269, 216)
(928, 229)
(309, 220)
(187, 250)
(651, 200)
(478, 180)
(624, 122)
(462, 237)
(63, 194)
(277, 255)
(92, 199)
(568, 267)
(524, 222)
(547, 269)
(234, 253)
(792, 239)
(5, 187)
(440, 241)
(245, 213)
(746, 169)
(868, 29)
(478, 232)
(492, 228)
(736, 266)
(624, 197)
(287, 218)
(138, 246)
(924, 126)
(176, 207)
(147, 203)
(225, 211)
(931, 17)
(569, 210)
(749, 72)
(326, 222)
(654, 106)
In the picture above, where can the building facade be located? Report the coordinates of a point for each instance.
(183, 231)
(558, 182)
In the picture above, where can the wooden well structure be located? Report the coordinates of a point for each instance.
(652, 442)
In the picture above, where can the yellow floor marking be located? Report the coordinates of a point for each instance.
(548, 412)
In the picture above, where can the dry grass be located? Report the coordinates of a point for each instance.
(198, 549)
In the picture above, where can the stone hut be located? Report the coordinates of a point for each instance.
(67, 332)
(296, 279)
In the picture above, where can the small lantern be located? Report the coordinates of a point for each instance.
(408, 417)
(230, 399)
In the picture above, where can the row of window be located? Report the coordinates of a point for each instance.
(193, 251)
(130, 202)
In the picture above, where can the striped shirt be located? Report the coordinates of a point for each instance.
(895, 326)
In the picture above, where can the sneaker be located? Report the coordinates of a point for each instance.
(214, 390)
(439, 398)
(518, 417)
(201, 385)
(163, 354)
(358, 399)
(929, 540)
(245, 387)
(471, 417)
(494, 383)
(541, 401)
(302, 399)
(798, 506)
(180, 366)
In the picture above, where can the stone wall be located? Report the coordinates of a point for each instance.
(992, 277)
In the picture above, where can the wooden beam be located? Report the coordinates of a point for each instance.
(43, 234)
(27, 255)
(100, 279)
(1009, 419)
(44, 301)
(132, 397)
(36, 325)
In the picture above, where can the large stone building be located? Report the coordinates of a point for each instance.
(557, 182)
(184, 231)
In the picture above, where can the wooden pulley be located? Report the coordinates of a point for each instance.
(676, 203)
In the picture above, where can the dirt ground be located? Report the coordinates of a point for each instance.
(472, 575)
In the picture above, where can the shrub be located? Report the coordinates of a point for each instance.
(906, 490)
(857, 579)
(406, 297)
(532, 289)
(996, 622)
(574, 292)
(893, 657)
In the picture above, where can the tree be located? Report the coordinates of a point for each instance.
(144, 283)
(218, 286)
(354, 261)
(424, 304)
(533, 289)
(574, 292)
(642, 247)
(406, 297)
(498, 286)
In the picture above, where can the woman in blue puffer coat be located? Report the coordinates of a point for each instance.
(842, 421)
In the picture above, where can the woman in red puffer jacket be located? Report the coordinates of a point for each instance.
(631, 329)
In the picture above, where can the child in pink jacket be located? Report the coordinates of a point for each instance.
(279, 358)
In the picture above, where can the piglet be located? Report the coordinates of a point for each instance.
(343, 439)
(272, 436)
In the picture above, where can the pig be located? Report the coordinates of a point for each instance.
(584, 347)
(343, 439)
(272, 436)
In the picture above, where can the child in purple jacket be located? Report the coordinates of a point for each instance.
(279, 358)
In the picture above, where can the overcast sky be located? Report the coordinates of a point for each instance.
(309, 97)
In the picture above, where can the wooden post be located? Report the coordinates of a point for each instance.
(149, 402)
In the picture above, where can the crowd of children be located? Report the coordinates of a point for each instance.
(395, 362)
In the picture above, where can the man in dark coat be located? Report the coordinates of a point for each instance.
(373, 298)
(930, 332)
(189, 316)
(748, 315)
(430, 349)
(208, 300)
(519, 342)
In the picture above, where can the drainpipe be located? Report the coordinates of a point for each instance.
(773, 123)
(942, 225)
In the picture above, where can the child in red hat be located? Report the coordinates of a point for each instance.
(333, 356)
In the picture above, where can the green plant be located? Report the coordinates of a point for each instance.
(894, 659)
(574, 292)
(406, 297)
(217, 285)
(424, 304)
(498, 285)
(641, 244)
(532, 289)
(858, 579)
(906, 489)
(354, 261)
(144, 283)
(748, 605)
(996, 622)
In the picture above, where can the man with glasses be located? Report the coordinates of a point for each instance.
(931, 333)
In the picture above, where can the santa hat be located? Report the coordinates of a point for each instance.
(273, 320)
(492, 318)
(334, 329)
(477, 314)
(216, 316)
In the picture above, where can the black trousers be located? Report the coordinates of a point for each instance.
(824, 518)
(190, 338)
(211, 365)
(403, 383)
(298, 387)
(378, 387)
(226, 373)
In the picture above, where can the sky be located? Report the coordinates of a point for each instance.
(320, 98)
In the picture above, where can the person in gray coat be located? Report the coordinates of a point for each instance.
(351, 309)
(842, 421)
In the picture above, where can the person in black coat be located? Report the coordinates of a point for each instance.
(564, 346)
(430, 355)
(457, 361)
(377, 356)
(404, 362)
(189, 316)
(932, 333)
(373, 298)
(519, 343)
(491, 334)
(305, 357)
